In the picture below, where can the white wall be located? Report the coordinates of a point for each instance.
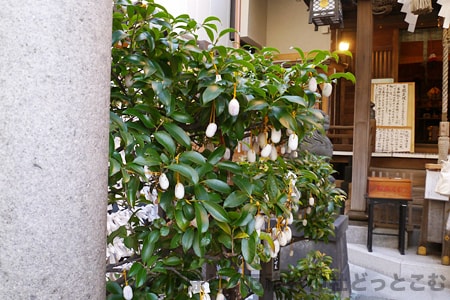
(287, 25)
(200, 10)
(254, 22)
(273, 23)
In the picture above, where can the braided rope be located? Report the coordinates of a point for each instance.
(445, 75)
(443, 141)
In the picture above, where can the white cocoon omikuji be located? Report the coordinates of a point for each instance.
(262, 139)
(259, 222)
(311, 201)
(255, 147)
(129, 80)
(274, 233)
(288, 233)
(233, 107)
(179, 190)
(227, 154)
(273, 153)
(305, 222)
(211, 130)
(282, 239)
(163, 181)
(274, 252)
(327, 89)
(275, 135)
(283, 150)
(251, 155)
(220, 296)
(265, 152)
(293, 142)
(312, 84)
(127, 292)
(290, 220)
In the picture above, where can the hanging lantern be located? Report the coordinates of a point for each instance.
(325, 12)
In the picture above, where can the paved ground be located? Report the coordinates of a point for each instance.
(370, 285)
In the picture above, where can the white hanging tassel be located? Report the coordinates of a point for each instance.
(444, 12)
(420, 7)
(410, 18)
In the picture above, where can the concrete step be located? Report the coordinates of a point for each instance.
(409, 267)
(357, 234)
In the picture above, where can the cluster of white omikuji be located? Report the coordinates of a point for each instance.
(261, 144)
(281, 234)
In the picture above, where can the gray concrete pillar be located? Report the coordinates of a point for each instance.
(54, 103)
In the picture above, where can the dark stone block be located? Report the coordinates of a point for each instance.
(336, 248)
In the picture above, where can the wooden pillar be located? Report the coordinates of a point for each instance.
(363, 72)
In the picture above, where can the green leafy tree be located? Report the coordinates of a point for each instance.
(308, 279)
(211, 129)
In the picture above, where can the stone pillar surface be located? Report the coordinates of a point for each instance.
(54, 114)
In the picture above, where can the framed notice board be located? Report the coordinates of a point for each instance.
(394, 113)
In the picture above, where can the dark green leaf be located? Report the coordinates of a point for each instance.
(181, 117)
(225, 227)
(149, 245)
(166, 141)
(211, 93)
(257, 105)
(229, 166)
(148, 161)
(216, 211)
(248, 248)
(225, 31)
(295, 99)
(132, 189)
(217, 155)
(196, 245)
(118, 121)
(201, 216)
(188, 239)
(145, 35)
(200, 192)
(235, 199)
(233, 281)
(145, 119)
(246, 215)
(285, 117)
(114, 166)
(211, 19)
(172, 261)
(347, 75)
(178, 134)
(218, 185)
(244, 184)
(226, 240)
(192, 156)
(136, 59)
(141, 277)
(181, 220)
(113, 287)
(227, 272)
(186, 171)
(135, 268)
(118, 35)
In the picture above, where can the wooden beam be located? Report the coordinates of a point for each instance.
(363, 72)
